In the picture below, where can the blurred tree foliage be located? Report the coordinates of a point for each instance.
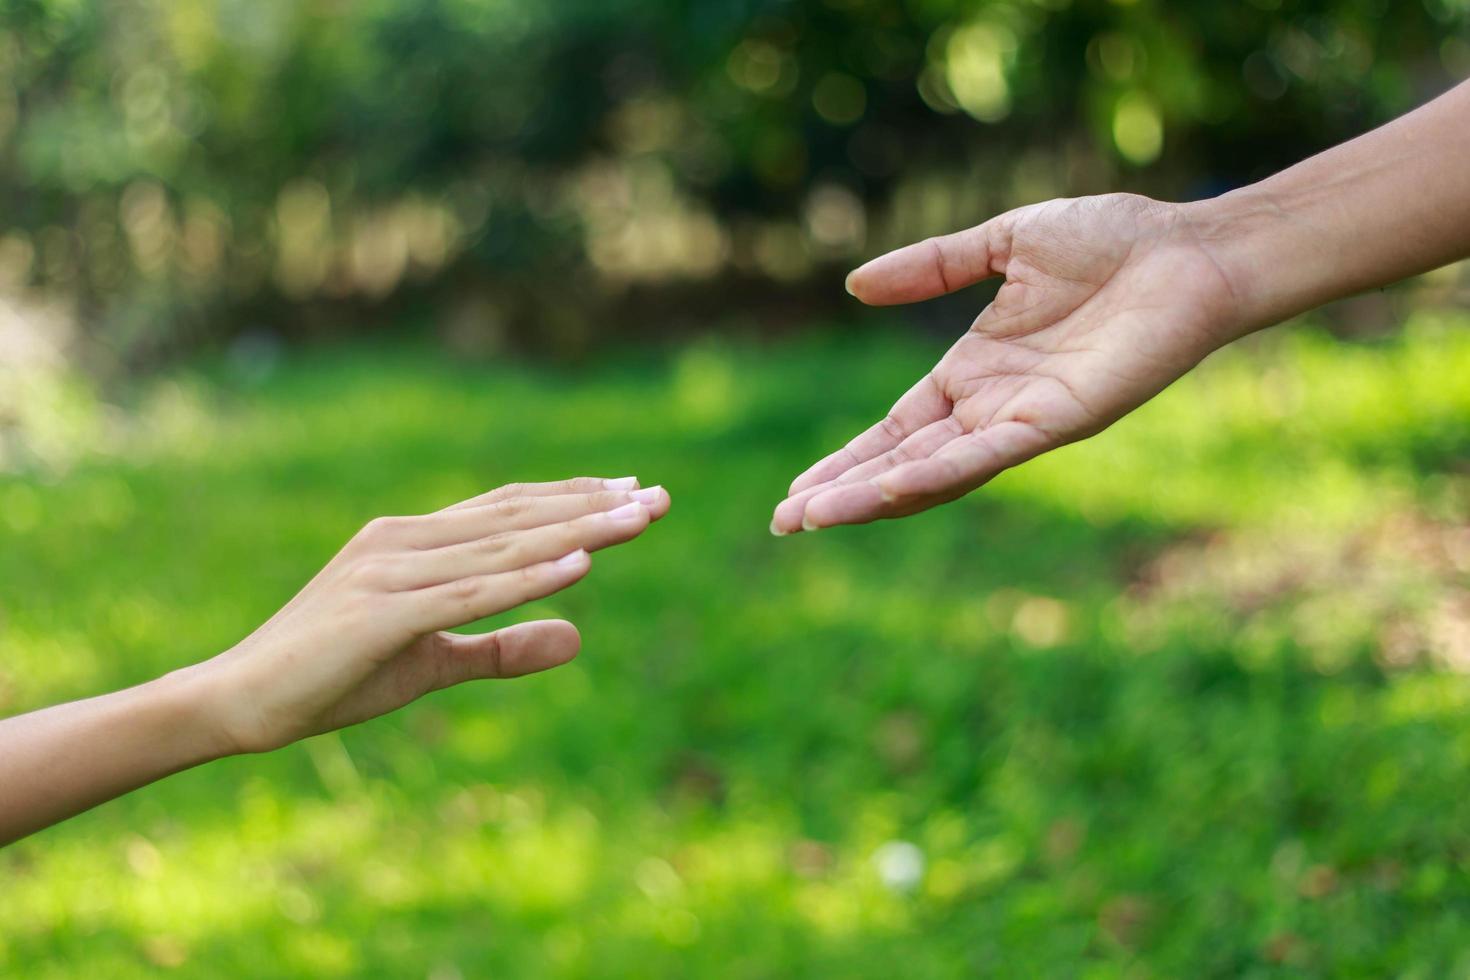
(188, 170)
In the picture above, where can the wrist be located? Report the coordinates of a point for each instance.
(190, 703)
(1249, 235)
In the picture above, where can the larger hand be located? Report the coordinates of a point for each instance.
(1106, 301)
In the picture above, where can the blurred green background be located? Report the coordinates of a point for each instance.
(1188, 699)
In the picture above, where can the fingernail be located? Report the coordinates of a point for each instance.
(888, 495)
(847, 285)
(807, 525)
(627, 512)
(649, 496)
(778, 532)
(569, 561)
(621, 483)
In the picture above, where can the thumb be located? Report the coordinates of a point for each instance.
(526, 648)
(934, 266)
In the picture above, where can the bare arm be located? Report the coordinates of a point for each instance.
(63, 760)
(1390, 204)
(363, 638)
(1108, 300)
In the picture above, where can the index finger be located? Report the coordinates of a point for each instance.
(459, 524)
(580, 484)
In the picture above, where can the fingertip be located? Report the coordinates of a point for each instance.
(562, 640)
(529, 648)
(655, 500)
(574, 635)
(859, 282)
(787, 517)
(854, 503)
(631, 512)
(575, 563)
(812, 513)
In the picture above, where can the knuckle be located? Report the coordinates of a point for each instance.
(576, 533)
(382, 528)
(494, 545)
(513, 507)
(463, 590)
(940, 260)
(379, 526)
(441, 668)
(371, 574)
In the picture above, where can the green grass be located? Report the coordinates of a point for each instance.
(1178, 701)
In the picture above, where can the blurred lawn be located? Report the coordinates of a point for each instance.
(1180, 701)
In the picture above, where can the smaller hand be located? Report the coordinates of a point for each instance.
(364, 637)
(1107, 300)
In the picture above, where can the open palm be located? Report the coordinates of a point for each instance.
(1106, 301)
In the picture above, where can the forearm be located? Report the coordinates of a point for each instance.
(1392, 203)
(60, 761)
